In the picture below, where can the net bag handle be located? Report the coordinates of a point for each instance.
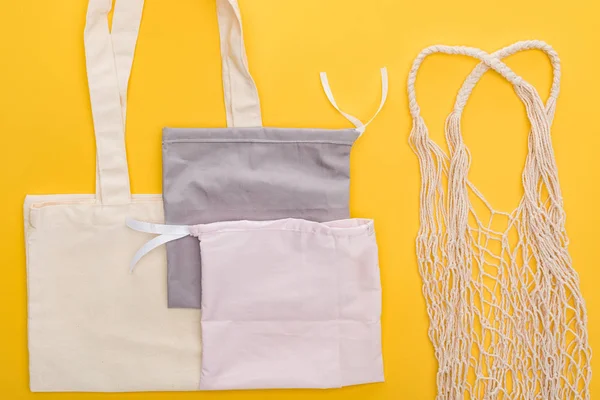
(479, 54)
(540, 165)
(540, 170)
(482, 68)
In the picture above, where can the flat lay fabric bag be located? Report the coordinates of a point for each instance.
(247, 171)
(507, 317)
(288, 303)
(92, 326)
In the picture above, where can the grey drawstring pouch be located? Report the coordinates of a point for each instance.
(212, 175)
(246, 171)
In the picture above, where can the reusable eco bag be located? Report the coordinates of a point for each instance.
(507, 316)
(287, 303)
(93, 326)
(247, 171)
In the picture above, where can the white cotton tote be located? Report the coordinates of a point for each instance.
(92, 325)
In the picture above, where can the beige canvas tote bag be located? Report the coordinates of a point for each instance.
(92, 325)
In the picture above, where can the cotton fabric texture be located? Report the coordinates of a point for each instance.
(287, 303)
(92, 326)
(212, 175)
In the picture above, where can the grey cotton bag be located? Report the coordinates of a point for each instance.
(246, 171)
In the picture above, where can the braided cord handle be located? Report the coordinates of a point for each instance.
(474, 52)
(482, 68)
(540, 163)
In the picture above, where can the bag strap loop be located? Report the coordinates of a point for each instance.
(109, 57)
(242, 105)
(166, 234)
(360, 126)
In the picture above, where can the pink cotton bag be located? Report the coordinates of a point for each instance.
(287, 303)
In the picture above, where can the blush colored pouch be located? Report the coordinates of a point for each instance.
(287, 303)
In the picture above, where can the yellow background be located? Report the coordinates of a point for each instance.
(47, 138)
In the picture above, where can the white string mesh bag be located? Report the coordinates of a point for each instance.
(507, 318)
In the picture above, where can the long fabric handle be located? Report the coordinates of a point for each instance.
(242, 104)
(108, 63)
(124, 35)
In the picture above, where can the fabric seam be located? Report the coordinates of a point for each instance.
(366, 231)
(265, 141)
